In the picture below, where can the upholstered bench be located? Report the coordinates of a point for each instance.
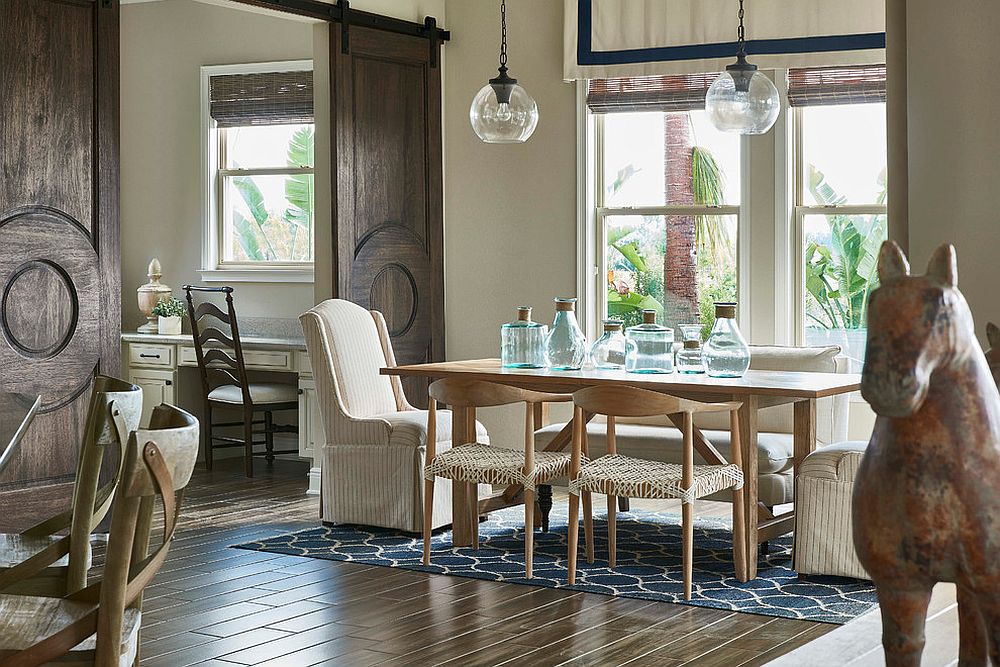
(824, 543)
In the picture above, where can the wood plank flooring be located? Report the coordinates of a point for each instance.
(214, 606)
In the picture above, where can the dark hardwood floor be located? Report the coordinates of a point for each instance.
(215, 606)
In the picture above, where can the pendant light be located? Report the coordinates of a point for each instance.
(502, 111)
(742, 99)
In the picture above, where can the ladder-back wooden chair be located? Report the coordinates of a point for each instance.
(99, 625)
(225, 385)
(474, 463)
(616, 475)
(60, 563)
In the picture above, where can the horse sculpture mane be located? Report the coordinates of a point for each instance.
(927, 496)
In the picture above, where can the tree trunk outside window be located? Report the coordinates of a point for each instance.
(680, 265)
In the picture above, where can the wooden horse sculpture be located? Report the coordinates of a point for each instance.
(927, 495)
(993, 354)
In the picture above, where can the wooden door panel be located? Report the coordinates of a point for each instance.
(388, 212)
(59, 265)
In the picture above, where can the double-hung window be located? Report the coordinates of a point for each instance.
(260, 182)
(666, 191)
(839, 124)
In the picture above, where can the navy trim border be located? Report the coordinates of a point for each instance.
(585, 55)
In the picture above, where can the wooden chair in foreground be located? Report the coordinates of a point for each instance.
(99, 625)
(221, 354)
(60, 563)
(616, 475)
(475, 463)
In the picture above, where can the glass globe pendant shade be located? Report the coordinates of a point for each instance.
(502, 112)
(743, 101)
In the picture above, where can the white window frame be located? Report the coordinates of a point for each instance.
(592, 238)
(214, 269)
(799, 212)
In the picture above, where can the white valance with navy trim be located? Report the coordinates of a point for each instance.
(621, 38)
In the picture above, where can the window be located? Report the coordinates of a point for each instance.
(667, 205)
(670, 206)
(260, 171)
(840, 207)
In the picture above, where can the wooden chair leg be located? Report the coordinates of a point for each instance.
(269, 435)
(545, 504)
(687, 517)
(612, 537)
(428, 515)
(473, 494)
(248, 442)
(588, 525)
(573, 537)
(529, 531)
(208, 437)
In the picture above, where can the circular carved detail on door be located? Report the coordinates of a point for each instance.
(394, 284)
(39, 309)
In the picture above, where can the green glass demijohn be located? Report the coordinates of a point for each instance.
(522, 342)
(649, 346)
(566, 345)
(726, 352)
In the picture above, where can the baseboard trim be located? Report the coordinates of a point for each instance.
(314, 481)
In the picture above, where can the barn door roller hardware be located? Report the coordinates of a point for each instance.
(347, 17)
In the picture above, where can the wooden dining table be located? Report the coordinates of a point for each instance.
(17, 411)
(755, 390)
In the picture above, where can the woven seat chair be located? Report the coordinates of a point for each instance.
(615, 475)
(476, 463)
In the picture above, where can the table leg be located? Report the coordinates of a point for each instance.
(748, 441)
(461, 522)
(803, 441)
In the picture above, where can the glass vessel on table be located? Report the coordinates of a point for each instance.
(522, 342)
(649, 346)
(726, 353)
(565, 346)
(608, 353)
(689, 359)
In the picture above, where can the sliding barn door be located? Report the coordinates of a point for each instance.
(386, 101)
(59, 266)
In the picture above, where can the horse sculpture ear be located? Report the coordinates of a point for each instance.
(892, 262)
(943, 267)
(993, 334)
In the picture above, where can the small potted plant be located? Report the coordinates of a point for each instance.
(169, 313)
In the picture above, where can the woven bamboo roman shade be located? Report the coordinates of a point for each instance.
(262, 98)
(681, 92)
(836, 85)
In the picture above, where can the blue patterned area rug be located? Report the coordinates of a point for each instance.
(648, 568)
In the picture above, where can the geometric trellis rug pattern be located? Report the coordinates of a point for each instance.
(648, 567)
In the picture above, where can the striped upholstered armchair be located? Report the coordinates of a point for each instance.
(373, 455)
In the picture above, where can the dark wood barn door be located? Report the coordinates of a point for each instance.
(59, 265)
(386, 100)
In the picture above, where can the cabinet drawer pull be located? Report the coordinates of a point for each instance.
(168, 382)
(149, 356)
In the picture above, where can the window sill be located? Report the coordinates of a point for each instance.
(262, 275)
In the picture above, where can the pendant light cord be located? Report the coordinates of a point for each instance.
(503, 33)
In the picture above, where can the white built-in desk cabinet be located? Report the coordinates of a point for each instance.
(154, 362)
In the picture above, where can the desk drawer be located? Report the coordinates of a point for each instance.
(260, 360)
(151, 355)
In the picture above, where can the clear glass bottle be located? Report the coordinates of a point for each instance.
(565, 346)
(689, 358)
(649, 346)
(522, 342)
(726, 352)
(608, 353)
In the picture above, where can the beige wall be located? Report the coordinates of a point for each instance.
(954, 142)
(163, 46)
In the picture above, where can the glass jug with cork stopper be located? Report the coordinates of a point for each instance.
(649, 346)
(689, 360)
(726, 352)
(522, 342)
(608, 353)
(566, 345)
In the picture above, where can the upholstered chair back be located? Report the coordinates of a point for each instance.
(348, 345)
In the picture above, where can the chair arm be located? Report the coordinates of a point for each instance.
(347, 430)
